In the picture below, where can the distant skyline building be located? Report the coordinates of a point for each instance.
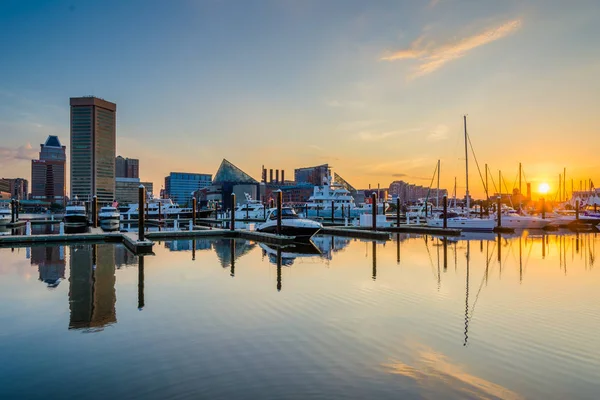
(17, 188)
(126, 189)
(93, 148)
(127, 167)
(409, 192)
(179, 186)
(48, 173)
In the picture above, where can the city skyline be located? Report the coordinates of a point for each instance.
(376, 90)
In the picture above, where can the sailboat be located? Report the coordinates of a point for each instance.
(455, 221)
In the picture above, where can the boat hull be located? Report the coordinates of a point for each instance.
(75, 219)
(298, 232)
(520, 223)
(471, 225)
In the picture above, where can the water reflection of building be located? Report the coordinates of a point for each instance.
(223, 249)
(92, 295)
(124, 257)
(50, 262)
(187, 245)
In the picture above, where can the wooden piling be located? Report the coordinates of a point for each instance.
(577, 210)
(160, 211)
(543, 208)
(95, 211)
(18, 204)
(398, 211)
(141, 205)
(12, 211)
(445, 204)
(279, 201)
(499, 212)
(194, 207)
(232, 224)
(374, 210)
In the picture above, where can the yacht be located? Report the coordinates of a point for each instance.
(319, 204)
(5, 214)
(109, 215)
(157, 208)
(291, 224)
(516, 221)
(251, 209)
(75, 213)
(456, 221)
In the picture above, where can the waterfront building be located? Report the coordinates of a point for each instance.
(48, 173)
(179, 186)
(16, 188)
(410, 193)
(126, 189)
(315, 175)
(93, 147)
(231, 179)
(127, 167)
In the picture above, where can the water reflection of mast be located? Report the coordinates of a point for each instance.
(467, 297)
(520, 261)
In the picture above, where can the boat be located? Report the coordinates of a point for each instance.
(109, 215)
(251, 209)
(516, 221)
(333, 193)
(456, 221)
(289, 254)
(5, 214)
(75, 213)
(291, 224)
(156, 209)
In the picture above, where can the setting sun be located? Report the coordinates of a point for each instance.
(543, 188)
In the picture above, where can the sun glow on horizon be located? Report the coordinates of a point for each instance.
(543, 188)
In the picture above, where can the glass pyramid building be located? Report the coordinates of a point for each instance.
(229, 173)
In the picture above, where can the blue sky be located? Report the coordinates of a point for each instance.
(378, 88)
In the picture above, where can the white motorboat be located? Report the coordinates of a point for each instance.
(5, 214)
(109, 215)
(288, 254)
(75, 213)
(251, 209)
(291, 224)
(455, 221)
(517, 221)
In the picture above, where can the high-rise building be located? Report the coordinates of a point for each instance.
(48, 174)
(127, 189)
(179, 186)
(127, 167)
(93, 147)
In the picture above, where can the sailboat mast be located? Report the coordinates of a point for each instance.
(455, 192)
(487, 192)
(437, 194)
(466, 166)
(520, 196)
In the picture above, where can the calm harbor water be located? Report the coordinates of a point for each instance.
(418, 317)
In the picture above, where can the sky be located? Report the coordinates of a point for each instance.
(376, 89)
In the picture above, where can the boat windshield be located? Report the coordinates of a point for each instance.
(286, 213)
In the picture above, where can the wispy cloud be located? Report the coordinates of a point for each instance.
(432, 56)
(361, 124)
(438, 133)
(372, 136)
(10, 155)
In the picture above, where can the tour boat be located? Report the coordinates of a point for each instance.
(75, 213)
(291, 224)
(157, 208)
(109, 215)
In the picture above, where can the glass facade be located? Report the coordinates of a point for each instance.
(93, 143)
(180, 185)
